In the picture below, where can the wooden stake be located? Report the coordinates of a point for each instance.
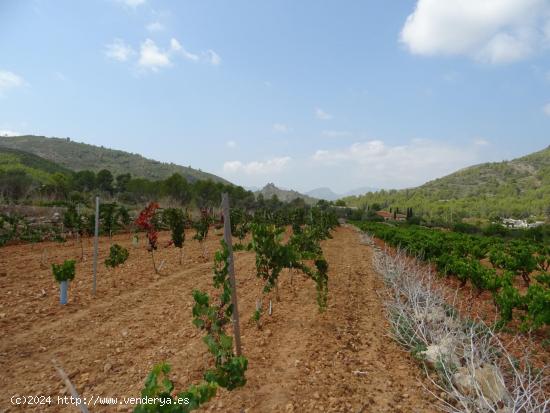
(96, 245)
(229, 241)
(83, 408)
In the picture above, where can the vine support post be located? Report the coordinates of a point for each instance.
(229, 241)
(96, 245)
(74, 394)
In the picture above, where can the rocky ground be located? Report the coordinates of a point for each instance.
(299, 361)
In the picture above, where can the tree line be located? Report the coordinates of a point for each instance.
(20, 187)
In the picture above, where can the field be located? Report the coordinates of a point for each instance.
(301, 360)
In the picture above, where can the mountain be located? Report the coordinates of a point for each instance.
(518, 188)
(38, 168)
(283, 194)
(329, 195)
(79, 156)
(323, 193)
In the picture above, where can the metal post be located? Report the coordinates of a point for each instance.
(229, 242)
(96, 246)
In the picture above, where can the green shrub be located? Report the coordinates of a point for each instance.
(65, 271)
(117, 255)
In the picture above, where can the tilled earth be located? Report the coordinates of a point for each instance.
(300, 360)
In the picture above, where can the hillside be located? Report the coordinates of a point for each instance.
(323, 193)
(38, 168)
(516, 188)
(80, 156)
(284, 195)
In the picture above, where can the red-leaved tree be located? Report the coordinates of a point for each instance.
(146, 222)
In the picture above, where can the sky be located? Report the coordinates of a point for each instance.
(305, 94)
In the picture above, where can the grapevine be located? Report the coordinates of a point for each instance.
(202, 226)
(228, 370)
(176, 220)
(459, 255)
(117, 255)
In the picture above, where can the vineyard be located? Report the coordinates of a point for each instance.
(514, 272)
(160, 324)
(204, 208)
(159, 307)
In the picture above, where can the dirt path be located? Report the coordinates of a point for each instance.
(300, 361)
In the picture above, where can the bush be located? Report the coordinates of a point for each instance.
(117, 255)
(465, 228)
(65, 271)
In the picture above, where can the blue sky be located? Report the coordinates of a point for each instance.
(304, 94)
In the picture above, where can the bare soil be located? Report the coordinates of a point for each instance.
(301, 360)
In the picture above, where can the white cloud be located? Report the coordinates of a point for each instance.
(481, 142)
(335, 133)
(493, 31)
(281, 128)
(321, 114)
(9, 80)
(231, 144)
(212, 57)
(270, 166)
(151, 57)
(396, 166)
(132, 3)
(177, 47)
(155, 27)
(546, 109)
(119, 50)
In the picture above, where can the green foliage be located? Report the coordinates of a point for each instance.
(176, 219)
(273, 255)
(459, 255)
(158, 389)
(65, 271)
(321, 281)
(117, 255)
(537, 306)
(228, 370)
(15, 184)
(122, 182)
(104, 181)
(518, 188)
(16, 228)
(80, 156)
(240, 223)
(73, 220)
(202, 226)
(123, 216)
(177, 187)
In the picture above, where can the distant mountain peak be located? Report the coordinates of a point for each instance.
(285, 195)
(329, 195)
